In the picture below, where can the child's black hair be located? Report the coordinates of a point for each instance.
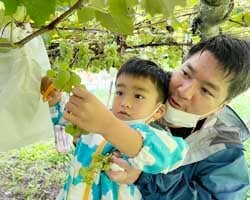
(145, 68)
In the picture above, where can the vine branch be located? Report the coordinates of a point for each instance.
(170, 43)
(44, 29)
(236, 22)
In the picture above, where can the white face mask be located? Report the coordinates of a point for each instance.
(145, 120)
(180, 118)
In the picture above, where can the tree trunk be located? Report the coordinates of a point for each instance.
(211, 14)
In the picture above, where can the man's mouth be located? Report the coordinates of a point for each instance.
(174, 103)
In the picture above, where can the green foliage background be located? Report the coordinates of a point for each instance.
(34, 172)
(100, 35)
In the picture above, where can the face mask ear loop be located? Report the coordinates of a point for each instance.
(148, 119)
(212, 112)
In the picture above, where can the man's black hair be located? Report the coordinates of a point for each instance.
(234, 56)
(145, 68)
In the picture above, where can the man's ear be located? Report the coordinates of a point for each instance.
(160, 112)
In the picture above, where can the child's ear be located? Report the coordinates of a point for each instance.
(160, 112)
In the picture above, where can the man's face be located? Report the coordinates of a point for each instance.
(135, 97)
(199, 86)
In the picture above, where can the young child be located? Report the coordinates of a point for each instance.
(141, 91)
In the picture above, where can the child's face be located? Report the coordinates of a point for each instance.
(135, 98)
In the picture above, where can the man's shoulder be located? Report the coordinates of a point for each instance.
(228, 120)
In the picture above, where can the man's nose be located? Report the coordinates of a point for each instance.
(187, 89)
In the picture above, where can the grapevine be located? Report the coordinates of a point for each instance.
(99, 163)
(65, 79)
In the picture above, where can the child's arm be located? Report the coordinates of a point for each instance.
(88, 113)
(160, 153)
(153, 150)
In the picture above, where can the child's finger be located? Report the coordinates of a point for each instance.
(117, 154)
(80, 92)
(120, 162)
(71, 108)
(71, 117)
(75, 100)
(117, 176)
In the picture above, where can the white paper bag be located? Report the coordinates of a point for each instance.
(24, 118)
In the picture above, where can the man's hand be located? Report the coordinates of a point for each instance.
(128, 176)
(87, 112)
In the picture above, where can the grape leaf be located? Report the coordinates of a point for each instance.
(162, 6)
(10, 6)
(152, 7)
(72, 2)
(85, 14)
(2, 10)
(68, 87)
(124, 24)
(40, 10)
(61, 79)
(118, 20)
(98, 3)
(246, 18)
(123, 19)
(64, 65)
(106, 21)
(117, 8)
(20, 13)
(51, 73)
(75, 79)
(132, 2)
(74, 130)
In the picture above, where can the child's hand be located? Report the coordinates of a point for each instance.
(87, 112)
(49, 92)
(54, 97)
(126, 176)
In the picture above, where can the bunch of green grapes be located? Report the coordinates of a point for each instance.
(65, 79)
(84, 56)
(66, 51)
(111, 56)
(75, 130)
(99, 163)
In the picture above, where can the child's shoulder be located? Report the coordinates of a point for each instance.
(150, 128)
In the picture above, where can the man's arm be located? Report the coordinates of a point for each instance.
(222, 176)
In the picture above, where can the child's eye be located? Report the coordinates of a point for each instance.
(118, 93)
(138, 96)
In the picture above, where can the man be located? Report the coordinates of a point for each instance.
(213, 73)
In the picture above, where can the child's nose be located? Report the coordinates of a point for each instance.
(126, 103)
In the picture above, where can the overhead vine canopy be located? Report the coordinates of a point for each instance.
(99, 34)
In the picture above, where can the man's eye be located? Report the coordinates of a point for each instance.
(185, 74)
(118, 93)
(138, 96)
(206, 92)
